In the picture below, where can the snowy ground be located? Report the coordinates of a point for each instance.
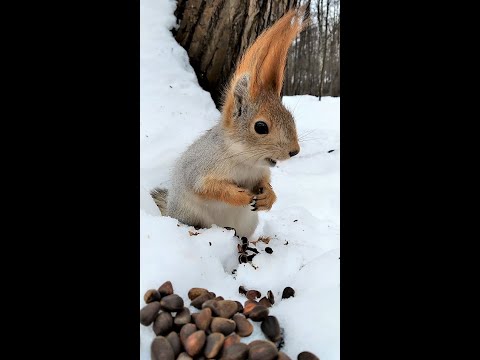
(174, 111)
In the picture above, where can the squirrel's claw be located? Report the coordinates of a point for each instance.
(253, 204)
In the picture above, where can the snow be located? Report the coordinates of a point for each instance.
(174, 112)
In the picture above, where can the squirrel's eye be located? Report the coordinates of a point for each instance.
(261, 127)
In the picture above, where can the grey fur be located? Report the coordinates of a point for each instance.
(241, 95)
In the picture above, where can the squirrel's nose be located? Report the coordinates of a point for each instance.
(293, 153)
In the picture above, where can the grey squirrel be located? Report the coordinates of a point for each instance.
(223, 178)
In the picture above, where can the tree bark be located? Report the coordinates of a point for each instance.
(215, 33)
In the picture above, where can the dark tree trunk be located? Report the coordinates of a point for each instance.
(215, 34)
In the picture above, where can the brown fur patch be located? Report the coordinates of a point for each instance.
(225, 191)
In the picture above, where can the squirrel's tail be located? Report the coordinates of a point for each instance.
(160, 198)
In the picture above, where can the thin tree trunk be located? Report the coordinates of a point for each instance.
(320, 40)
(311, 60)
(324, 53)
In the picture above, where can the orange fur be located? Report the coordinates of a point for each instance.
(225, 191)
(265, 60)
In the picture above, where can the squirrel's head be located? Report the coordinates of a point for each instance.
(256, 121)
(261, 127)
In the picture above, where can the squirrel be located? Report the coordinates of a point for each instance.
(223, 178)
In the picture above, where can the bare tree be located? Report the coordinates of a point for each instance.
(322, 72)
(334, 61)
(316, 54)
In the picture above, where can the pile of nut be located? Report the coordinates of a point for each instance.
(216, 330)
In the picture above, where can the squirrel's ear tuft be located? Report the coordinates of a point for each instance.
(266, 58)
(241, 94)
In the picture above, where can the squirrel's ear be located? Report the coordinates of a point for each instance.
(241, 95)
(266, 58)
(237, 98)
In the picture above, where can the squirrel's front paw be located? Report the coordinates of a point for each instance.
(244, 197)
(264, 200)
